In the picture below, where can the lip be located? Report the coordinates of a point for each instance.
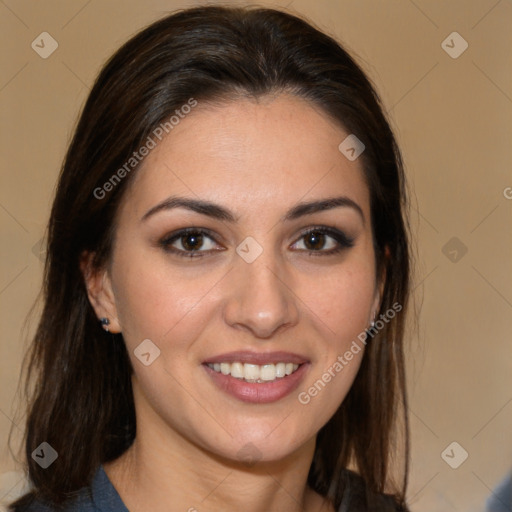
(260, 358)
(258, 393)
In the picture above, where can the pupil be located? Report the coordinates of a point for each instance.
(315, 240)
(193, 241)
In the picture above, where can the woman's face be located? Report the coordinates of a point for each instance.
(270, 272)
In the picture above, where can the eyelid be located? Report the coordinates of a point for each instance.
(174, 235)
(343, 240)
(167, 241)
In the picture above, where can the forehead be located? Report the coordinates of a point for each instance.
(271, 153)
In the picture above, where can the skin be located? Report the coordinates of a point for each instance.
(258, 159)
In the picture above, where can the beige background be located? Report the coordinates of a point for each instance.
(453, 120)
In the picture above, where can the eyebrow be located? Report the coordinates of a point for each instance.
(308, 208)
(196, 205)
(219, 212)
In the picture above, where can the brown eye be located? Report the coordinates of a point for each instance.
(314, 240)
(192, 241)
(189, 242)
(323, 241)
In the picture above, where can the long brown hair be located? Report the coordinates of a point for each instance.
(78, 377)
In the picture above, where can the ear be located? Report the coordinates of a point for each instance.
(99, 290)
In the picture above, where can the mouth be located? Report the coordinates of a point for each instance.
(255, 373)
(257, 377)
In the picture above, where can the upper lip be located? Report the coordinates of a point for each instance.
(259, 358)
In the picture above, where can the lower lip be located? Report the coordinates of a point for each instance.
(258, 393)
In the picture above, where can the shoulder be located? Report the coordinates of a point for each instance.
(100, 496)
(81, 502)
(357, 496)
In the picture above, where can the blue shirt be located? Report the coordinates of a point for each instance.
(501, 498)
(102, 496)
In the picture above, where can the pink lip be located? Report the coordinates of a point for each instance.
(258, 393)
(260, 358)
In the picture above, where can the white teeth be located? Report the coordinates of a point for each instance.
(280, 370)
(237, 370)
(253, 372)
(268, 372)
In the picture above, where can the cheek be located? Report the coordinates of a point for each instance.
(343, 302)
(156, 303)
(342, 305)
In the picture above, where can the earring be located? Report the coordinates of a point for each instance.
(105, 322)
(372, 323)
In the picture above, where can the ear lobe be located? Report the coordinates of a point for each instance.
(99, 291)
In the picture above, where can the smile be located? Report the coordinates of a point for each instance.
(255, 373)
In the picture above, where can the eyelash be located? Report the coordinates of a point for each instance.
(344, 241)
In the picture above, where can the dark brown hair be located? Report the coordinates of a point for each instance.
(79, 377)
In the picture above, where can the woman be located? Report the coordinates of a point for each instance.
(226, 281)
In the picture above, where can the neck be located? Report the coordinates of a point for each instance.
(163, 471)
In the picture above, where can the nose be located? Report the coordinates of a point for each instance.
(260, 300)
